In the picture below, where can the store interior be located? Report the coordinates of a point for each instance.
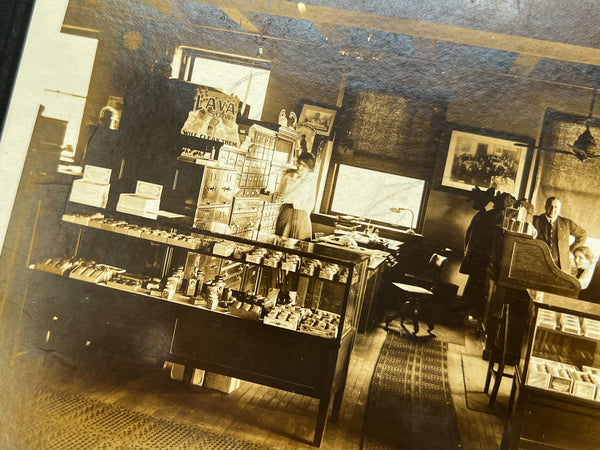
(390, 99)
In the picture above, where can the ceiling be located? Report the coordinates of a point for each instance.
(551, 40)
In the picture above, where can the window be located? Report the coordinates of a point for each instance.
(245, 77)
(370, 194)
(67, 69)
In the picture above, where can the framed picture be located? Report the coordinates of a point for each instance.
(321, 119)
(486, 159)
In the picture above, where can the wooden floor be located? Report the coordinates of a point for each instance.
(255, 413)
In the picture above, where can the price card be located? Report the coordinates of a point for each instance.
(148, 190)
(97, 175)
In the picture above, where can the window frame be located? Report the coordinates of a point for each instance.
(332, 178)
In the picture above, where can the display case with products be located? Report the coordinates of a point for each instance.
(278, 312)
(555, 397)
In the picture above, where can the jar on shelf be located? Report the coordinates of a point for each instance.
(170, 288)
(212, 295)
(177, 274)
(220, 282)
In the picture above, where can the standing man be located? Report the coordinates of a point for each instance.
(555, 231)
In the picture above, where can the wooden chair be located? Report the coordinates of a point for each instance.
(417, 297)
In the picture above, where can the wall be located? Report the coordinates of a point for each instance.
(314, 73)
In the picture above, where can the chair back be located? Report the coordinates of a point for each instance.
(436, 265)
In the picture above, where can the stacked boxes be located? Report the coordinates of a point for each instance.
(565, 378)
(220, 383)
(546, 319)
(144, 202)
(570, 324)
(93, 188)
(591, 328)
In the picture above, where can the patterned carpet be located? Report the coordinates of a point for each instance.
(410, 405)
(65, 421)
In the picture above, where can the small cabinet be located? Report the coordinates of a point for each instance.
(227, 186)
(211, 183)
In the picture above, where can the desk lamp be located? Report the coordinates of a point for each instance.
(412, 217)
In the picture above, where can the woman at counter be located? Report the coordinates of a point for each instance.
(297, 190)
(588, 274)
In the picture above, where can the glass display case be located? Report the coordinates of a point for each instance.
(278, 312)
(307, 277)
(554, 399)
(565, 347)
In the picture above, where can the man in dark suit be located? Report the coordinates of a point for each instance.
(555, 230)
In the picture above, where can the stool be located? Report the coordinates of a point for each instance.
(499, 356)
(416, 305)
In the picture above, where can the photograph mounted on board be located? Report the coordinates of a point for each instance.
(319, 118)
(484, 161)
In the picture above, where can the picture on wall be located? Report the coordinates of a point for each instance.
(321, 119)
(484, 161)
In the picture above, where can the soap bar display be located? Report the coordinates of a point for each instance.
(81, 219)
(240, 250)
(320, 323)
(272, 258)
(58, 266)
(566, 378)
(591, 328)
(245, 310)
(285, 316)
(223, 248)
(218, 274)
(256, 255)
(329, 271)
(547, 319)
(310, 266)
(120, 226)
(132, 282)
(570, 323)
(290, 263)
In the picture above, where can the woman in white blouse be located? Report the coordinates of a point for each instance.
(584, 262)
(297, 191)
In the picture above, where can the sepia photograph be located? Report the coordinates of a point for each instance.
(321, 119)
(483, 161)
(296, 225)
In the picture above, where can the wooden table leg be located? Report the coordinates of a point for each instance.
(337, 404)
(511, 435)
(188, 374)
(322, 418)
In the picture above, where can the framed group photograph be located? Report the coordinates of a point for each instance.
(318, 117)
(485, 161)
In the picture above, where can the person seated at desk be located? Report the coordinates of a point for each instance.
(588, 274)
(298, 191)
(555, 230)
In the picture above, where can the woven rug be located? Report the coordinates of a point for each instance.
(410, 404)
(65, 421)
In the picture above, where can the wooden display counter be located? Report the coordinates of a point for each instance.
(303, 359)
